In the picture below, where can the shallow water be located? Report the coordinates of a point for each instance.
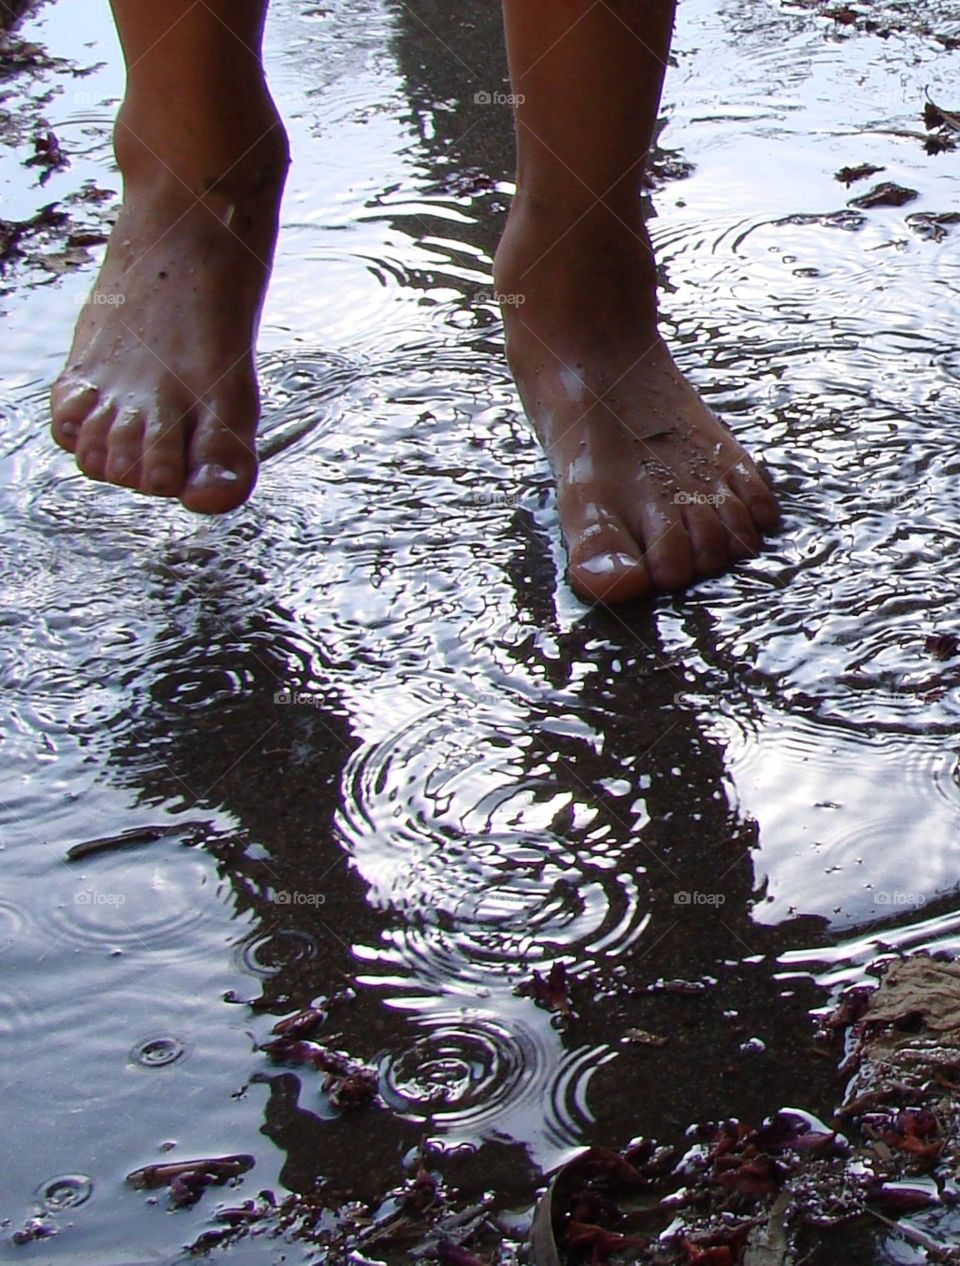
(390, 749)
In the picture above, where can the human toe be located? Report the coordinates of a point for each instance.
(221, 466)
(604, 560)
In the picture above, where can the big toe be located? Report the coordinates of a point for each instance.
(604, 562)
(221, 464)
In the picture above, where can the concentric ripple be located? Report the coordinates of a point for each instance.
(451, 828)
(13, 924)
(271, 953)
(297, 392)
(147, 902)
(66, 1191)
(473, 1073)
(158, 1052)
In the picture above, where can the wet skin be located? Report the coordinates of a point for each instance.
(653, 490)
(159, 393)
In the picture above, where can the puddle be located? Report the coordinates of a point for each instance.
(359, 741)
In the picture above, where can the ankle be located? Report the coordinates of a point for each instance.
(201, 150)
(601, 260)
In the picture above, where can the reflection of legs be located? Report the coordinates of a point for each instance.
(653, 492)
(160, 391)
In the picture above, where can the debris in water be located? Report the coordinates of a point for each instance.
(355, 1090)
(348, 1083)
(643, 1037)
(932, 225)
(552, 993)
(187, 1180)
(302, 1024)
(886, 194)
(690, 988)
(847, 175)
(33, 1229)
(48, 155)
(935, 116)
(133, 838)
(756, 1197)
(942, 645)
(943, 126)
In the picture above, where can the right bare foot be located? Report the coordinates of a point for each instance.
(653, 490)
(159, 393)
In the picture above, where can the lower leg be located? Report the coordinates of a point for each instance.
(653, 491)
(159, 392)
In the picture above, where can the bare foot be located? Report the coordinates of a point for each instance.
(159, 393)
(653, 490)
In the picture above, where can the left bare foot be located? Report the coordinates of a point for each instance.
(160, 393)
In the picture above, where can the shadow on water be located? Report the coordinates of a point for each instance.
(612, 846)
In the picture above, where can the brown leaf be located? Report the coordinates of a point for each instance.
(216, 1169)
(303, 1024)
(942, 645)
(553, 993)
(937, 116)
(757, 1177)
(847, 175)
(601, 1243)
(353, 1091)
(887, 194)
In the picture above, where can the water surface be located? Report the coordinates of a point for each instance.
(387, 754)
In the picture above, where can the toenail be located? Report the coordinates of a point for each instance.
(211, 473)
(69, 428)
(606, 564)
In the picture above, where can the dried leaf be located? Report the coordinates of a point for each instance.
(450, 1254)
(719, 1255)
(601, 1243)
(936, 116)
(302, 1024)
(223, 1167)
(847, 175)
(757, 1177)
(355, 1090)
(887, 194)
(553, 993)
(942, 645)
